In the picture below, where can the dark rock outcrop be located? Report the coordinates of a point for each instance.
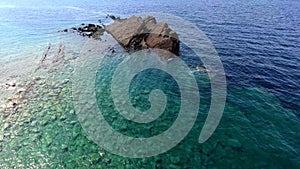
(89, 30)
(136, 33)
(113, 17)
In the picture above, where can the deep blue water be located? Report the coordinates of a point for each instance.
(257, 41)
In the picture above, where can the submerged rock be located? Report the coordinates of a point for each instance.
(234, 143)
(136, 33)
(1, 137)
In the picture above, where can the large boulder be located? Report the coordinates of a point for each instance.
(136, 33)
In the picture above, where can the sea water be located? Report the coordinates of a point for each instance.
(257, 41)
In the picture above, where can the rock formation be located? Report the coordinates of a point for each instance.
(136, 33)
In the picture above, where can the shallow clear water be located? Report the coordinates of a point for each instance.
(258, 43)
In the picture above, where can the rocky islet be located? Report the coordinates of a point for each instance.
(134, 33)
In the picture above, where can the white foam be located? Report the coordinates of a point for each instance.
(73, 7)
(7, 6)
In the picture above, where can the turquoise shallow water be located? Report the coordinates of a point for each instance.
(260, 126)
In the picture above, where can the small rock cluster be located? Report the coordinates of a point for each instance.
(88, 30)
(113, 17)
